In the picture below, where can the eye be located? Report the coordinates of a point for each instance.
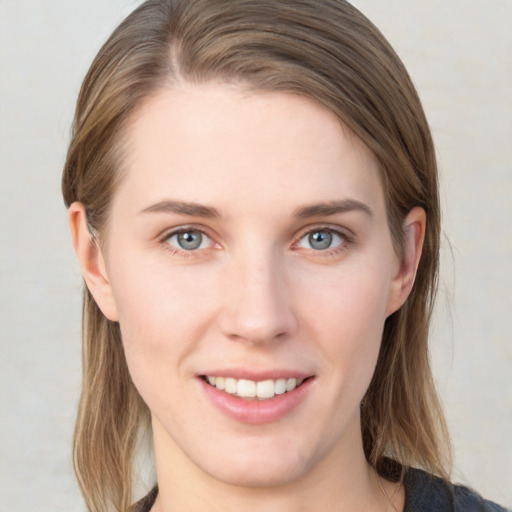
(189, 240)
(322, 239)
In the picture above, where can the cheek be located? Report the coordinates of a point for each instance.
(154, 296)
(349, 302)
(346, 314)
(163, 312)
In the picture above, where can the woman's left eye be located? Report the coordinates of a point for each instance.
(322, 239)
(189, 240)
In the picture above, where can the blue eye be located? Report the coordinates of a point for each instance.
(321, 240)
(189, 240)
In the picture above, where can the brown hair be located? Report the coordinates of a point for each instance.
(325, 50)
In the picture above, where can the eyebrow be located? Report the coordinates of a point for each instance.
(332, 208)
(183, 208)
(321, 209)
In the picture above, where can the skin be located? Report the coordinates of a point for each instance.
(256, 295)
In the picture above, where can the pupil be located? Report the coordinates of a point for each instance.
(189, 240)
(320, 240)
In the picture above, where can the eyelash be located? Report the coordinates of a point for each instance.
(183, 252)
(346, 237)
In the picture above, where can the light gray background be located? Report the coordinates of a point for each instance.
(459, 53)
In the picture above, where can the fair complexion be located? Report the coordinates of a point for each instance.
(248, 240)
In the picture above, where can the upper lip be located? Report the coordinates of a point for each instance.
(257, 375)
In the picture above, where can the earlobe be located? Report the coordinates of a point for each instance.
(414, 234)
(91, 261)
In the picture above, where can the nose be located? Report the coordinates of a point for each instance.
(256, 301)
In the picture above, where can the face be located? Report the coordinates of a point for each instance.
(250, 266)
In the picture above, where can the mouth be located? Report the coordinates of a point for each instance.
(255, 390)
(267, 399)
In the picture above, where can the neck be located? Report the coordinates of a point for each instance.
(340, 481)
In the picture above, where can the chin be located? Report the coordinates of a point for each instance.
(259, 473)
(260, 462)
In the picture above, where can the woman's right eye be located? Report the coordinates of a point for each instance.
(189, 240)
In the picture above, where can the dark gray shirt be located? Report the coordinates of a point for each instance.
(427, 493)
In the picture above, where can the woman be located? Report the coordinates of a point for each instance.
(253, 200)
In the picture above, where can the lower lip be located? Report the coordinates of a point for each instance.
(257, 412)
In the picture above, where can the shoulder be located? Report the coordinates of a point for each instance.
(427, 493)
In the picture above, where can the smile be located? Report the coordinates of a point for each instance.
(261, 390)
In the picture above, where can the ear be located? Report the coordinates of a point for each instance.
(414, 234)
(91, 261)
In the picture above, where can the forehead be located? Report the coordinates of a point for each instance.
(216, 143)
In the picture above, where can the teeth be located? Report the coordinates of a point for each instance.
(291, 384)
(265, 389)
(230, 386)
(246, 388)
(280, 386)
(262, 390)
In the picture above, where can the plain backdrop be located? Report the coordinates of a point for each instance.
(459, 53)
